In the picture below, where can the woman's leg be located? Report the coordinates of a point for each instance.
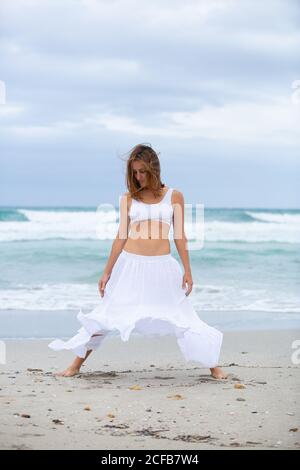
(74, 368)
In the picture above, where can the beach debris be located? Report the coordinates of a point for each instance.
(293, 429)
(34, 370)
(109, 374)
(116, 426)
(110, 415)
(149, 432)
(240, 399)
(193, 438)
(57, 421)
(87, 408)
(176, 397)
(291, 414)
(25, 415)
(163, 378)
(135, 387)
(239, 386)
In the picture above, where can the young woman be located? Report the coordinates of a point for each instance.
(143, 288)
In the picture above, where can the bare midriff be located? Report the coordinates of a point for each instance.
(148, 237)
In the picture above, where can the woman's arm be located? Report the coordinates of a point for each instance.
(180, 239)
(121, 236)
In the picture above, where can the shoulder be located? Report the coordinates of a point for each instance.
(126, 201)
(126, 197)
(177, 196)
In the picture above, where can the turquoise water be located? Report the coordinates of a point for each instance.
(248, 268)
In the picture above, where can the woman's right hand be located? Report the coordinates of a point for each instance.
(102, 283)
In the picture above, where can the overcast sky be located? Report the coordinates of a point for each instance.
(208, 83)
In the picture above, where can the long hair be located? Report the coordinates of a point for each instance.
(146, 154)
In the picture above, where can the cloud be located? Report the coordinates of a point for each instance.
(10, 110)
(276, 121)
(97, 74)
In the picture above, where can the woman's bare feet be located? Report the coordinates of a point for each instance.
(69, 372)
(217, 373)
(74, 368)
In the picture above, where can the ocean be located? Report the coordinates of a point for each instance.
(246, 274)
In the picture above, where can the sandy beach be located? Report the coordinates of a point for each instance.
(143, 395)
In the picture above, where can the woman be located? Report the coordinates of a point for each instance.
(143, 288)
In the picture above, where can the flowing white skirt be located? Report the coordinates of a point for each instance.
(144, 294)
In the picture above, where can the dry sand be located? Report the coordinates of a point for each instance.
(143, 395)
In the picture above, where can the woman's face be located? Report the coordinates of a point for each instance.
(140, 173)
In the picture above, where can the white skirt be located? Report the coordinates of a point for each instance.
(144, 294)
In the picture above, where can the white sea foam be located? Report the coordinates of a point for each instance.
(102, 225)
(279, 218)
(71, 296)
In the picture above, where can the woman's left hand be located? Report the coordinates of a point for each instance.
(187, 279)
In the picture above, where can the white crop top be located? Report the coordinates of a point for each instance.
(162, 211)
